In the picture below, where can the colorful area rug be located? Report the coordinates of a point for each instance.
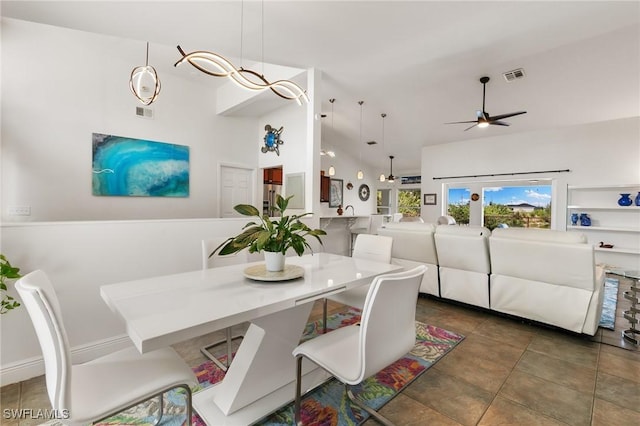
(327, 404)
(608, 317)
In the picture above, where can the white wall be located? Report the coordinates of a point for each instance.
(59, 86)
(596, 153)
(604, 153)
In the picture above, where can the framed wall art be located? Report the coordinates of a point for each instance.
(131, 167)
(294, 186)
(430, 199)
(335, 193)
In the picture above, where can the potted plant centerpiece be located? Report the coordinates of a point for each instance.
(273, 237)
(7, 272)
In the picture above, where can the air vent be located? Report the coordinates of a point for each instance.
(372, 143)
(144, 112)
(516, 74)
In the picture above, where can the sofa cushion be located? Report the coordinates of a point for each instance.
(463, 247)
(544, 235)
(411, 241)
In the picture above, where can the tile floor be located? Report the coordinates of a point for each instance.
(505, 372)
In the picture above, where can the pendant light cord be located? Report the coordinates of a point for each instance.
(241, 29)
(262, 29)
(361, 102)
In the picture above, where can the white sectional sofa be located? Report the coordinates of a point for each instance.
(547, 276)
(413, 244)
(538, 274)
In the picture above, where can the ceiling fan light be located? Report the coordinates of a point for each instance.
(332, 170)
(391, 177)
(360, 175)
(382, 177)
(483, 124)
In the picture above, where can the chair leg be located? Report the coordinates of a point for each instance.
(160, 395)
(296, 405)
(377, 416)
(227, 340)
(189, 404)
(324, 316)
(160, 409)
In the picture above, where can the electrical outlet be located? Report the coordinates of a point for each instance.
(19, 210)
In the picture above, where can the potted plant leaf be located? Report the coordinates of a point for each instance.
(7, 271)
(273, 237)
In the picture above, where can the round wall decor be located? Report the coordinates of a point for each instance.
(363, 192)
(475, 197)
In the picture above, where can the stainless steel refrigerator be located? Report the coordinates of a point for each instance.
(269, 198)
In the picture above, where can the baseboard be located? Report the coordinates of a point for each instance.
(33, 367)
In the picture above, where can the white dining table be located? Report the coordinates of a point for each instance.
(164, 310)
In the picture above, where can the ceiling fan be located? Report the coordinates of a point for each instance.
(484, 119)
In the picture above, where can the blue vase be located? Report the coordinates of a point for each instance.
(625, 200)
(574, 219)
(585, 220)
(637, 200)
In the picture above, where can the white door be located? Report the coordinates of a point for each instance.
(236, 187)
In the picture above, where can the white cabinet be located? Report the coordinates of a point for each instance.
(611, 223)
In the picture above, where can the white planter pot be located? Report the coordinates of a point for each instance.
(274, 261)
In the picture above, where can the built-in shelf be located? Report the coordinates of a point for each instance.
(611, 223)
(618, 250)
(630, 187)
(613, 208)
(604, 228)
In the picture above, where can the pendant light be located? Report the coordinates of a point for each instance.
(216, 65)
(332, 170)
(383, 115)
(140, 76)
(391, 177)
(360, 174)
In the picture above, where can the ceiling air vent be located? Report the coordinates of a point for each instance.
(372, 143)
(516, 74)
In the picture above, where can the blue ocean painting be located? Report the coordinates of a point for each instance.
(139, 168)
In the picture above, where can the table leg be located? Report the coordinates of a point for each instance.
(261, 377)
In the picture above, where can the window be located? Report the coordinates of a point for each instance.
(501, 204)
(409, 202)
(517, 206)
(383, 201)
(458, 207)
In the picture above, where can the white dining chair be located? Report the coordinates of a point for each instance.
(105, 386)
(385, 333)
(356, 229)
(370, 247)
(212, 262)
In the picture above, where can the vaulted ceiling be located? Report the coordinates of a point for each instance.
(419, 62)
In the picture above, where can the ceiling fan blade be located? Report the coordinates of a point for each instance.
(498, 123)
(459, 122)
(512, 114)
(469, 128)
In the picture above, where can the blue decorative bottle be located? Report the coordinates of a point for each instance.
(637, 200)
(625, 200)
(585, 220)
(574, 219)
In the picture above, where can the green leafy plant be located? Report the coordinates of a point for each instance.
(7, 271)
(270, 235)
